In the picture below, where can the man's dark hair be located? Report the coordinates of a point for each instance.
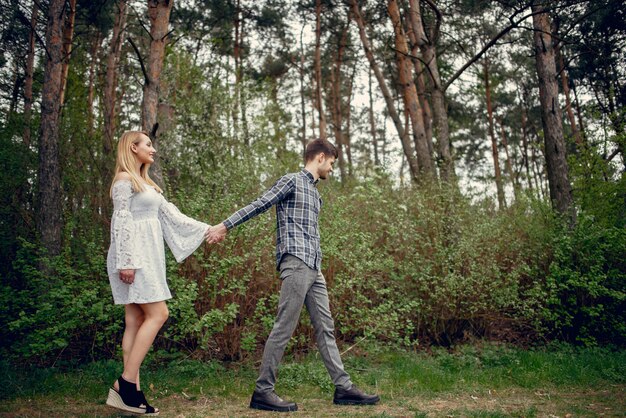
(317, 146)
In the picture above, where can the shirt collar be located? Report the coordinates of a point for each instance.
(310, 176)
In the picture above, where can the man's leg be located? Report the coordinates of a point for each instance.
(317, 304)
(296, 280)
(319, 310)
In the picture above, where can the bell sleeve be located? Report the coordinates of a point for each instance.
(182, 233)
(122, 227)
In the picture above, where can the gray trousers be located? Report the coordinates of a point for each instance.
(301, 285)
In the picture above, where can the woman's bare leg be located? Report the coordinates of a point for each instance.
(134, 319)
(155, 315)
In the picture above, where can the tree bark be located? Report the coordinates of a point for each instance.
(558, 177)
(370, 112)
(110, 82)
(494, 141)
(318, 68)
(49, 221)
(409, 92)
(68, 35)
(568, 102)
(348, 109)
(525, 148)
(391, 108)
(15, 91)
(509, 166)
(428, 46)
(95, 46)
(159, 14)
(336, 101)
(28, 82)
(302, 94)
(237, 58)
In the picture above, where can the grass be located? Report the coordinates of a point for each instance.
(472, 381)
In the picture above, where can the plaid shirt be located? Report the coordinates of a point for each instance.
(298, 206)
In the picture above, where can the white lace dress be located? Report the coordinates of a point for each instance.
(140, 222)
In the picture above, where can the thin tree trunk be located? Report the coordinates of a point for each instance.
(336, 101)
(28, 82)
(92, 80)
(159, 14)
(372, 121)
(509, 166)
(494, 141)
(302, 94)
(409, 92)
(391, 108)
(525, 148)
(318, 68)
(579, 113)
(110, 82)
(428, 46)
(568, 102)
(242, 91)
(421, 84)
(348, 107)
(49, 221)
(558, 177)
(68, 35)
(237, 58)
(15, 91)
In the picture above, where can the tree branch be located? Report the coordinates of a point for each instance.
(435, 32)
(492, 42)
(143, 66)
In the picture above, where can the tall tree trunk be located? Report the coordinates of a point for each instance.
(509, 166)
(28, 82)
(336, 101)
(494, 141)
(348, 117)
(318, 68)
(391, 107)
(243, 97)
(110, 82)
(558, 177)
(95, 46)
(370, 112)
(568, 102)
(428, 46)
(302, 94)
(409, 92)
(68, 35)
(525, 148)
(49, 221)
(15, 91)
(579, 113)
(237, 58)
(159, 14)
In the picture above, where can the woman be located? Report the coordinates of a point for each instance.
(136, 260)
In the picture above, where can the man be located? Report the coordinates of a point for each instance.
(298, 257)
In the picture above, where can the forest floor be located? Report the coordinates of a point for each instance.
(470, 381)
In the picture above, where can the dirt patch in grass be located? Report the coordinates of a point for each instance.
(561, 402)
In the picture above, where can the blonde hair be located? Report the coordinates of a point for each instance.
(126, 161)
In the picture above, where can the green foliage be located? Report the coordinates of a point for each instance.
(61, 304)
(587, 284)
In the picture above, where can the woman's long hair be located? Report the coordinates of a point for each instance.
(126, 161)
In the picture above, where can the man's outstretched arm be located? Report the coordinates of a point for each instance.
(281, 189)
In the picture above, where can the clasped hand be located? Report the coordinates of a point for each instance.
(215, 233)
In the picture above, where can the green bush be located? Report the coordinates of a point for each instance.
(587, 284)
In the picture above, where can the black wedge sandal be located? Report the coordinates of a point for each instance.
(129, 399)
(150, 410)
